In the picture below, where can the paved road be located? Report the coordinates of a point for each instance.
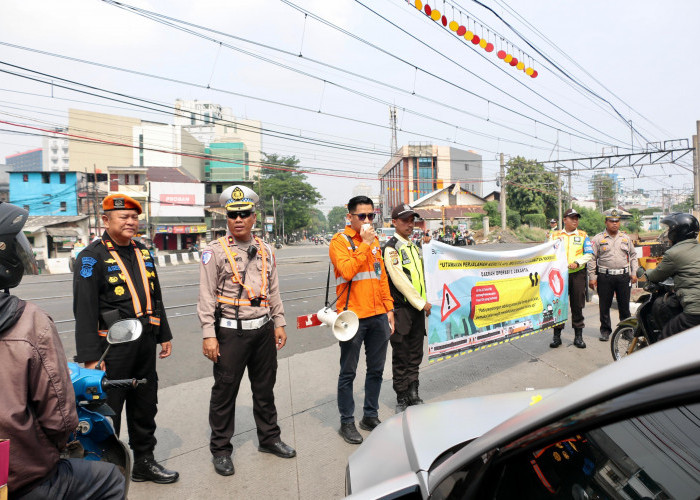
(302, 269)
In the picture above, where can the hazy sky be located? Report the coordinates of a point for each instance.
(640, 53)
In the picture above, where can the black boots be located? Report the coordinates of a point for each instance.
(578, 339)
(413, 396)
(402, 402)
(408, 398)
(556, 340)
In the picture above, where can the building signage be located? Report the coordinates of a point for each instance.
(269, 220)
(181, 229)
(177, 199)
(268, 228)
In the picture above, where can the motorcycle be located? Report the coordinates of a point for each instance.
(471, 240)
(643, 328)
(94, 438)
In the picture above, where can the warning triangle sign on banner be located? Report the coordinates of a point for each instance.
(449, 303)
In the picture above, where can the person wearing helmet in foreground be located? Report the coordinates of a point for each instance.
(682, 263)
(37, 402)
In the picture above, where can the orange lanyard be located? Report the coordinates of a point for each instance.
(236, 278)
(127, 278)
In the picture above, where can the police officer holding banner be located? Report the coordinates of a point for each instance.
(242, 319)
(115, 278)
(404, 266)
(612, 270)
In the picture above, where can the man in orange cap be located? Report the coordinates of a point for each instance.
(115, 278)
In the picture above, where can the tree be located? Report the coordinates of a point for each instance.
(684, 206)
(294, 197)
(591, 221)
(336, 218)
(603, 191)
(530, 189)
(318, 222)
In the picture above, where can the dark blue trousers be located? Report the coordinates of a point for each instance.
(77, 478)
(374, 332)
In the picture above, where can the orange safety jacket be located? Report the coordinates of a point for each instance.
(364, 267)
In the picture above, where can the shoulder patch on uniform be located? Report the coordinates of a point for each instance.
(206, 256)
(87, 264)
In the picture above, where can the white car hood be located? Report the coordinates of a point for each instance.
(411, 441)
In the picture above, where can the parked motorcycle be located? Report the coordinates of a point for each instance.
(94, 439)
(644, 327)
(471, 240)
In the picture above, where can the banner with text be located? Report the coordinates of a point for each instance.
(481, 298)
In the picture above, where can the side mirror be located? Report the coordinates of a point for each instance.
(640, 272)
(124, 330)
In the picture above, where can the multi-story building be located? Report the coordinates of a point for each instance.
(27, 161)
(113, 145)
(47, 193)
(211, 123)
(418, 169)
(55, 154)
(163, 145)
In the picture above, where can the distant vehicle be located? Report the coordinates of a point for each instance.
(384, 233)
(628, 430)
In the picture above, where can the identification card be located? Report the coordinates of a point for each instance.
(378, 269)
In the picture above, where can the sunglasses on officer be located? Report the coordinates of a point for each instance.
(243, 214)
(362, 217)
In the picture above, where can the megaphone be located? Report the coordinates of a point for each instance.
(343, 325)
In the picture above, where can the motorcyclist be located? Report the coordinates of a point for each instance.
(37, 402)
(681, 262)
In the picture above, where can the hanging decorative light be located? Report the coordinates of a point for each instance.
(470, 36)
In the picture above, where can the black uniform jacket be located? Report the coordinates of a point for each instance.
(99, 287)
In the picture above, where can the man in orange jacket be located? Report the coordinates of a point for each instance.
(362, 287)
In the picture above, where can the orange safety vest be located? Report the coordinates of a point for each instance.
(369, 293)
(130, 284)
(236, 277)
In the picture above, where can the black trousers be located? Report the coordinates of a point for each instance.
(135, 360)
(577, 300)
(679, 323)
(609, 285)
(255, 350)
(406, 346)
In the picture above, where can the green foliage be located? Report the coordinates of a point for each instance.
(525, 233)
(603, 190)
(632, 227)
(684, 206)
(535, 220)
(651, 211)
(591, 221)
(336, 218)
(530, 188)
(318, 223)
(294, 197)
(513, 218)
(491, 209)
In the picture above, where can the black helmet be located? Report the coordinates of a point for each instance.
(16, 255)
(681, 226)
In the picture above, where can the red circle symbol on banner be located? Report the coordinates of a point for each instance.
(461, 31)
(556, 282)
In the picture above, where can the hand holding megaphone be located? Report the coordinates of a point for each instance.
(343, 325)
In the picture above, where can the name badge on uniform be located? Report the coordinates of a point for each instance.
(378, 269)
(577, 239)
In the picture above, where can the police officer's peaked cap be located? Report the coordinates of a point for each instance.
(613, 216)
(120, 202)
(238, 198)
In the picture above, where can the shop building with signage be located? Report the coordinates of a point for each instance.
(176, 209)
